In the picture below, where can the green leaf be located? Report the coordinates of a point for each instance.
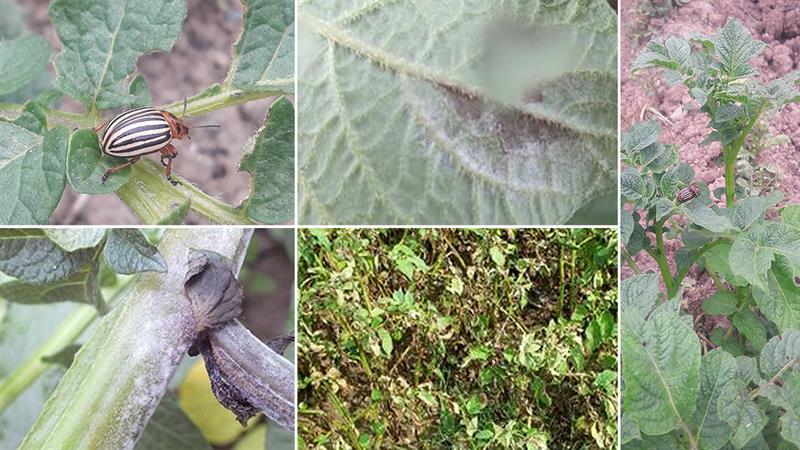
(140, 91)
(410, 135)
(102, 40)
(661, 368)
(270, 161)
(787, 397)
(625, 226)
(718, 369)
(750, 261)
(386, 341)
(780, 302)
(751, 327)
(63, 357)
(632, 186)
(639, 136)
(677, 176)
(638, 296)
(26, 329)
(748, 210)
(33, 118)
(86, 165)
(127, 251)
(31, 173)
(734, 47)
(81, 287)
(663, 442)
(717, 259)
(791, 215)
(263, 57)
(706, 217)
(497, 256)
(21, 61)
(778, 352)
(29, 255)
(628, 430)
(742, 414)
(664, 208)
(71, 239)
(721, 303)
(655, 54)
(170, 427)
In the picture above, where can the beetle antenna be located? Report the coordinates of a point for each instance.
(184, 107)
(205, 126)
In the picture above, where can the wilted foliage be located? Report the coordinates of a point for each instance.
(457, 338)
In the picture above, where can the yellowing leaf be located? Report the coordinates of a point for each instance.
(218, 425)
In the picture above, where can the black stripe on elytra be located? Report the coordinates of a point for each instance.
(146, 116)
(125, 137)
(158, 144)
(127, 115)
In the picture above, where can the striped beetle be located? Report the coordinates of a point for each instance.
(688, 193)
(142, 131)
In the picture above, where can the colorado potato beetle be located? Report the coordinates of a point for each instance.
(688, 193)
(142, 131)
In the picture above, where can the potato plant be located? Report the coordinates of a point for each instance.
(442, 338)
(738, 385)
(146, 305)
(45, 147)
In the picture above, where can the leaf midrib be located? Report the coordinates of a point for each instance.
(400, 65)
(661, 378)
(110, 53)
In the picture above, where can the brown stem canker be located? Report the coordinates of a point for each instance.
(216, 298)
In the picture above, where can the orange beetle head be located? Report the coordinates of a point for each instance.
(178, 129)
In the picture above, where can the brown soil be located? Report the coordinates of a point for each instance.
(776, 22)
(199, 58)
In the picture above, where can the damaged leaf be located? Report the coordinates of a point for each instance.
(215, 293)
(444, 115)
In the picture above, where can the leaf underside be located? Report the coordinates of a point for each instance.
(409, 123)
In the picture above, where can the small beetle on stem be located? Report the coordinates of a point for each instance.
(140, 132)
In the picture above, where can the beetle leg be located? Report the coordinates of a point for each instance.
(116, 169)
(100, 127)
(169, 153)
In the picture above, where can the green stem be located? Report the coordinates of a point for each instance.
(681, 274)
(730, 153)
(17, 381)
(631, 263)
(152, 198)
(660, 255)
(561, 284)
(64, 334)
(204, 102)
(198, 104)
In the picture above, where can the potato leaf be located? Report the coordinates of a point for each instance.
(435, 114)
(102, 40)
(31, 173)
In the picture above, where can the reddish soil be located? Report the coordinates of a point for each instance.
(776, 22)
(199, 58)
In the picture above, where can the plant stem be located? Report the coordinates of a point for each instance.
(63, 335)
(204, 103)
(631, 263)
(122, 371)
(681, 274)
(660, 255)
(23, 376)
(777, 376)
(731, 151)
(151, 197)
